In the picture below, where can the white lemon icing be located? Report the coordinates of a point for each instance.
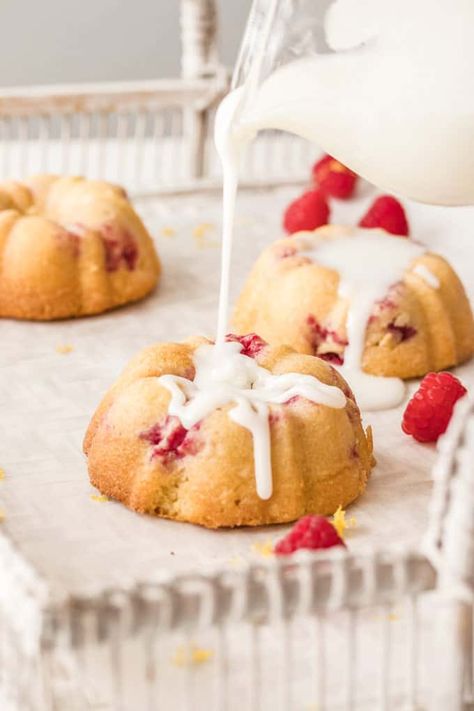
(369, 263)
(226, 377)
(388, 103)
(422, 271)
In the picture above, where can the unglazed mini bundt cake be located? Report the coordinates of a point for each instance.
(230, 435)
(71, 247)
(344, 294)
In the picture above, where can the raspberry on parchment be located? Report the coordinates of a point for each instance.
(334, 178)
(429, 412)
(310, 532)
(307, 212)
(388, 214)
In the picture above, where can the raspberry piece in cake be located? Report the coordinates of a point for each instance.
(321, 336)
(334, 178)
(251, 343)
(289, 250)
(390, 302)
(333, 358)
(307, 212)
(310, 532)
(388, 214)
(401, 333)
(429, 412)
(70, 239)
(170, 439)
(120, 248)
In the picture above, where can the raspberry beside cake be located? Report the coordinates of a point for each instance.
(71, 247)
(212, 471)
(420, 319)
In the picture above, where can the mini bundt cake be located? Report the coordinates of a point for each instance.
(231, 435)
(359, 298)
(71, 247)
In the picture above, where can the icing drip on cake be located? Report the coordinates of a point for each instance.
(369, 263)
(224, 376)
(422, 271)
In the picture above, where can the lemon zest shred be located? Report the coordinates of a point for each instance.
(100, 498)
(200, 656)
(193, 655)
(263, 548)
(341, 523)
(64, 348)
(201, 230)
(201, 236)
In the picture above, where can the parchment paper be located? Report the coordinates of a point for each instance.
(78, 543)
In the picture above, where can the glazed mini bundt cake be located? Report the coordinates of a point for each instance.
(71, 247)
(230, 435)
(347, 294)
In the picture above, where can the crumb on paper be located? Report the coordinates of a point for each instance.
(341, 523)
(191, 655)
(394, 616)
(202, 230)
(64, 348)
(168, 232)
(2, 474)
(201, 236)
(100, 498)
(2, 516)
(263, 548)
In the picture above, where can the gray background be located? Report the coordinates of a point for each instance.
(50, 41)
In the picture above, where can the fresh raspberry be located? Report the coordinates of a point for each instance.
(334, 178)
(251, 343)
(307, 212)
(311, 532)
(428, 413)
(386, 212)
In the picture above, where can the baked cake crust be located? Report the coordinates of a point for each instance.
(139, 455)
(289, 299)
(71, 247)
